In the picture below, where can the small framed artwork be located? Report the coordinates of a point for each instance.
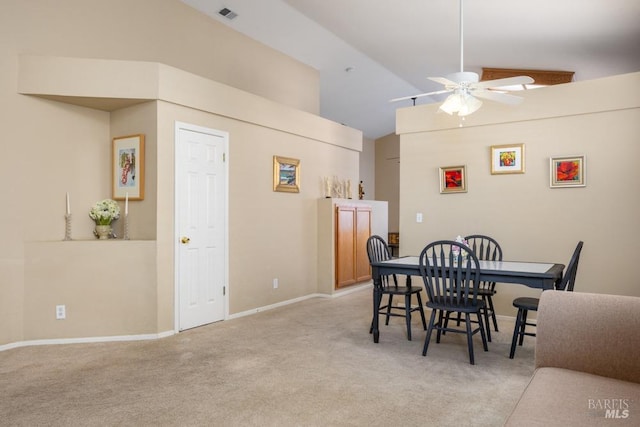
(453, 179)
(507, 159)
(568, 171)
(128, 167)
(286, 174)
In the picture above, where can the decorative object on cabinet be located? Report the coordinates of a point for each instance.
(353, 228)
(361, 190)
(507, 159)
(103, 213)
(336, 187)
(326, 187)
(286, 174)
(128, 167)
(453, 179)
(568, 171)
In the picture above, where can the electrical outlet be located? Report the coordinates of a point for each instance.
(275, 283)
(61, 312)
(419, 217)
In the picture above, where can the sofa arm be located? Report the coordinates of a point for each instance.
(594, 333)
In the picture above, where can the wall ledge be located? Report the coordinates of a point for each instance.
(109, 85)
(563, 100)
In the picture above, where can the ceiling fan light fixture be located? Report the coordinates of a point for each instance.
(461, 103)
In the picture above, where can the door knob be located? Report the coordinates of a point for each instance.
(185, 240)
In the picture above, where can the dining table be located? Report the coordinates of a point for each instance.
(540, 275)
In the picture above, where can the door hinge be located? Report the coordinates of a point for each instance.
(224, 157)
(224, 290)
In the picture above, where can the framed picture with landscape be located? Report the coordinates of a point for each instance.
(568, 171)
(286, 174)
(453, 179)
(507, 159)
(127, 167)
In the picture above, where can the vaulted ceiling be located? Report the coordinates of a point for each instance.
(370, 51)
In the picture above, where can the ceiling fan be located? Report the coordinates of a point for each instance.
(467, 88)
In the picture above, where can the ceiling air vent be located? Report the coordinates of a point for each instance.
(227, 13)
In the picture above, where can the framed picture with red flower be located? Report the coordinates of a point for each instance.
(453, 179)
(568, 171)
(507, 159)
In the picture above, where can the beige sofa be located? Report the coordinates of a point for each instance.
(587, 363)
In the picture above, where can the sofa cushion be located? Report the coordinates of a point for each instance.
(594, 333)
(561, 397)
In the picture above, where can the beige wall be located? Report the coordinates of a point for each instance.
(367, 170)
(165, 31)
(388, 176)
(532, 222)
(51, 147)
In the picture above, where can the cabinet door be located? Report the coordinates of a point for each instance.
(353, 228)
(345, 245)
(363, 231)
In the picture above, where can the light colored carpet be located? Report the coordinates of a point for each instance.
(312, 363)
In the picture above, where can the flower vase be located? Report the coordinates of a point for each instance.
(103, 231)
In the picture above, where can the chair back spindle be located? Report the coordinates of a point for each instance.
(569, 278)
(378, 250)
(450, 276)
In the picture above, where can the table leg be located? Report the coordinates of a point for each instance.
(377, 298)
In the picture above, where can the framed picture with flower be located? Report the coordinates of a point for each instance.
(568, 171)
(453, 179)
(507, 159)
(127, 165)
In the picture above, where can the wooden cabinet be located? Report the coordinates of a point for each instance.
(329, 255)
(353, 228)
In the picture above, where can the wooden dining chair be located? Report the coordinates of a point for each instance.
(486, 249)
(451, 281)
(378, 250)
(527, 304)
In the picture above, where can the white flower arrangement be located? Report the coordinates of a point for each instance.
(105, 211)
(457, 249)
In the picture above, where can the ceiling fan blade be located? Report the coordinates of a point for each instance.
(497, 96)
(444, 81)
(509, 81)
(438, 92)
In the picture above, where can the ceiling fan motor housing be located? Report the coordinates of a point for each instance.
(464, 77)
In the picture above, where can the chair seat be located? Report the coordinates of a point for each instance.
(486, 291)
(401, 290)
(526, 303)
(442, 304)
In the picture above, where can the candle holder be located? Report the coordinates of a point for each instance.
(67, 227)
(126, 228)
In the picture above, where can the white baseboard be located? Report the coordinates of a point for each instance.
(87, 340)
(347, 291)
(165, 334)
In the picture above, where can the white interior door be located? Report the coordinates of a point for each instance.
(201, 225)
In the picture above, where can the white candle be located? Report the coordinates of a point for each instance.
(126, 204)
(68, 205)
